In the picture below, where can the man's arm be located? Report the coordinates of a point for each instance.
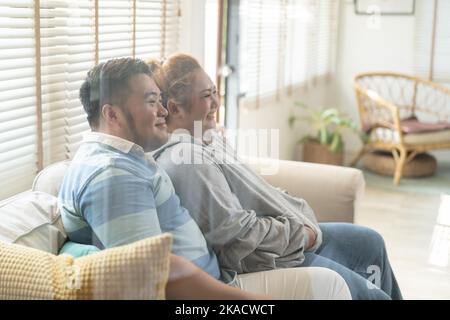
(119, 207)
(184, 276)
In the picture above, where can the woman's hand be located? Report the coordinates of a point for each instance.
(312, 236)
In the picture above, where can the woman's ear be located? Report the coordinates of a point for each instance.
(174, 109)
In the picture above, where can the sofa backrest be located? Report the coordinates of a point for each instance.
(49, 180)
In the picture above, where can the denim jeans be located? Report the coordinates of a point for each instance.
(359, 255)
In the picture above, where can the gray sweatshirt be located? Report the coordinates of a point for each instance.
(251, 225)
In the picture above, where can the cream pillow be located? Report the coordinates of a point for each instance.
(136, 271)
(32, 219)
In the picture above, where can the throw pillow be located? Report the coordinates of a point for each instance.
(136, 271)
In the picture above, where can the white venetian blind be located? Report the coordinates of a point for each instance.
(115, 30)
(285, 43)
(261, 46)
(157, 28)
(67, 52)
(47, 47)
(433, 63)
(18, 139)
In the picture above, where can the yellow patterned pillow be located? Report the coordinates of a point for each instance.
(136, 271)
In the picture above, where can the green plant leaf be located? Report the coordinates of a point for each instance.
(336, 144)
(324, 136)
(330, 113)
(328, 125)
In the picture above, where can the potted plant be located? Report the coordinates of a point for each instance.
(326, 146)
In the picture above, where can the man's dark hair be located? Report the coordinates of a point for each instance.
(106, 83)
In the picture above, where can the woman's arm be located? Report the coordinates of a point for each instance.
(187, 282)
(243, 240)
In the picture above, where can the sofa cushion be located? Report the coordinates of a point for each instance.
(136, 271)
(32, 219)
(49, 180)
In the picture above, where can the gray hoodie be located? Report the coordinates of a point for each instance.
(251, 225)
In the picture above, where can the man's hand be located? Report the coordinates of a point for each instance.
(312, 236)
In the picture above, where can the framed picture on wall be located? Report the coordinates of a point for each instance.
(385, 7)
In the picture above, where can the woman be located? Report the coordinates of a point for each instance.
(249, 224)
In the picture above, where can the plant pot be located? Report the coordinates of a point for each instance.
(315, 152)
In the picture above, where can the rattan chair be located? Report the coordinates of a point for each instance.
(386, 101)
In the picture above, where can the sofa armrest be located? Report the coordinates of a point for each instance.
(333, 192)
(50, 179)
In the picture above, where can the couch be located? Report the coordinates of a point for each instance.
(333, 192)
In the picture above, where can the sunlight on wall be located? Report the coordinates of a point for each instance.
(440, 242)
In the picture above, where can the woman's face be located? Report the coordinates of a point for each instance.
(203, 102)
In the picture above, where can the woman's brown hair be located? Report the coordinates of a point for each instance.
(175, 80)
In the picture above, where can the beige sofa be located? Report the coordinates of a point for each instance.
(333, 192)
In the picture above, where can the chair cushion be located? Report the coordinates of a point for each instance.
(32, 219)
(413, 125)
(432, 137)
(136, 271)
(442, 136)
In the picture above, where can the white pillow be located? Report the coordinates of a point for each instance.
(32, 219)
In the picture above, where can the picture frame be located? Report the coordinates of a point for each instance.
(385, 7)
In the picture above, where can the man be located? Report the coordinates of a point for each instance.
(112, 193)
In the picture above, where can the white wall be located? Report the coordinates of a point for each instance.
(275, 114)
(384, 43)
(192, 30)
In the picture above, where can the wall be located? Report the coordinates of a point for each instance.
(384, 43)
(275, 114)
(192, 29)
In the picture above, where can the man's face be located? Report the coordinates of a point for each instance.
(145, 122)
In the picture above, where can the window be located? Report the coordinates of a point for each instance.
(433, 40)
(47, 48)
(285, 44)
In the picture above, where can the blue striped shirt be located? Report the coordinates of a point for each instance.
(114, 194)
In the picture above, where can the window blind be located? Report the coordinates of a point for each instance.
(18, 125)
(42, 70)
(285, 43)
(260, 46)
(67, 52)
(433, 40)
(157, 28)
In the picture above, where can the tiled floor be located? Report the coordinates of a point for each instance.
(416, 229)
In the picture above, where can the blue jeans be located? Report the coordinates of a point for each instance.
(359, 255)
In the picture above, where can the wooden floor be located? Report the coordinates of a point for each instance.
(416, 229)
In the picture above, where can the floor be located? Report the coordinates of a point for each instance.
(416, 229)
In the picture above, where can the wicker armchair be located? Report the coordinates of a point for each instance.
(389, 102)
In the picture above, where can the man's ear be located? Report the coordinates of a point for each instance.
(109, 113)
